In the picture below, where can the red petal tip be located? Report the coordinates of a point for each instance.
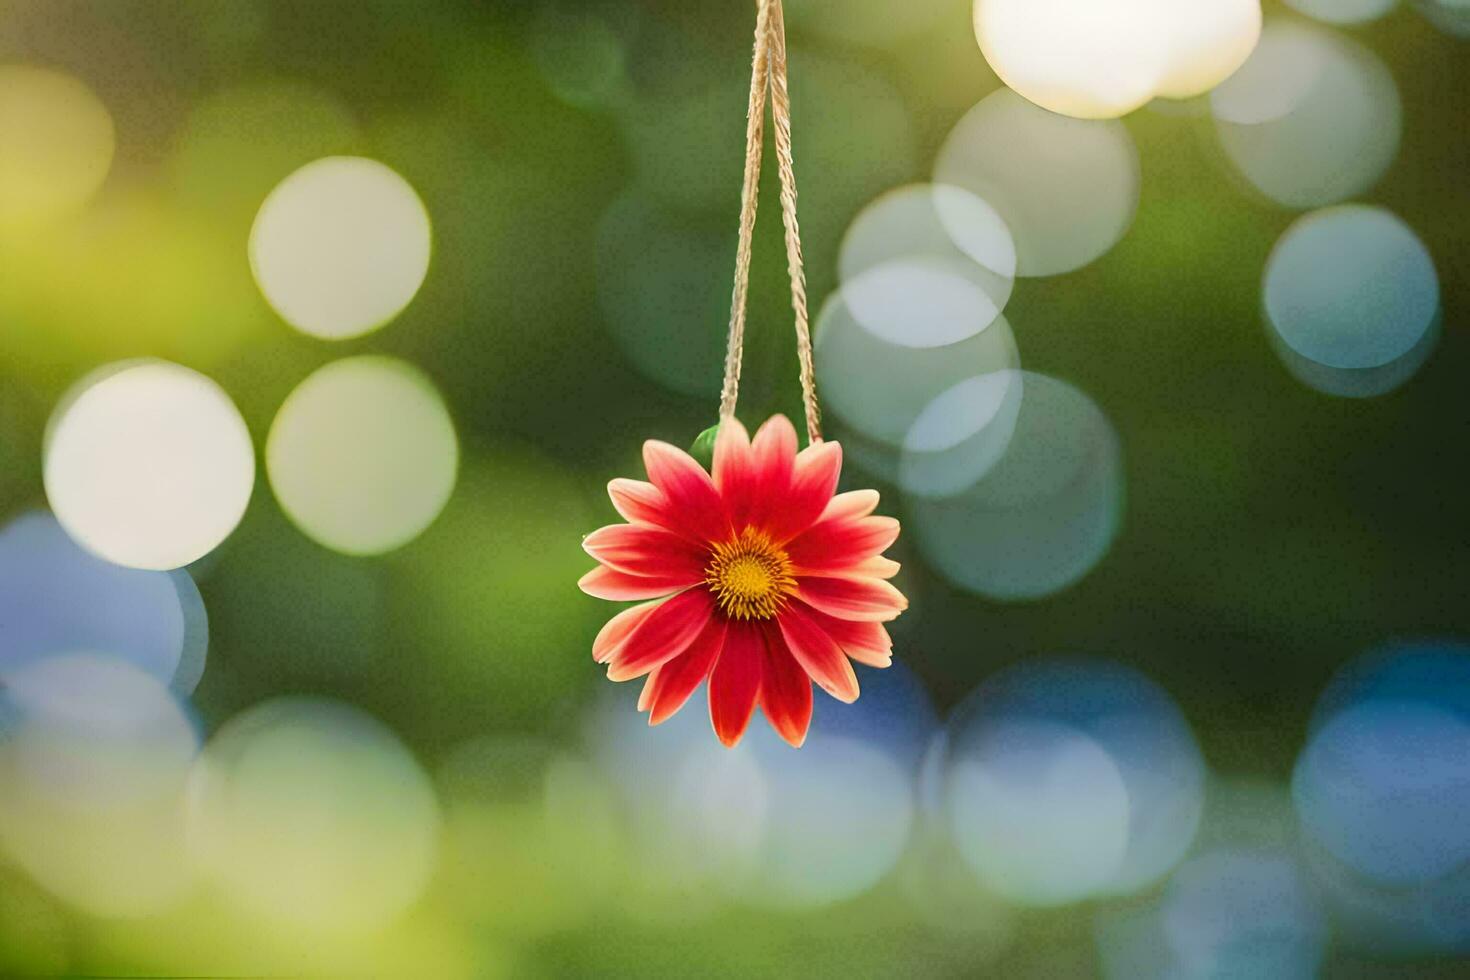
(796, 742)
(618, 674)
(582, 582)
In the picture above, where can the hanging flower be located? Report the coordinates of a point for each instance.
(761, 580)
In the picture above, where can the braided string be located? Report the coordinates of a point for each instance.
(768, 73)
(781, 116)
(749, 192)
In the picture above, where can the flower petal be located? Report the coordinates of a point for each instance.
(736, 682)
(609, 583)
(617, 629)
(852, 598)
(786, 690)
(734, 467)
(866, 642)
(837, 544)
(640, 550)
(639, 502)
(663, 635)
(645, 696)
(818, 654)
(774, 458)
(850, 505)
(678, 678)
(875, 567)
(694, 504)
(813, 481)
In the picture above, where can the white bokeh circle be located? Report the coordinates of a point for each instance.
(148, 464)
(363, 454)
(311, 813)
(1067, 189)
(340, 247)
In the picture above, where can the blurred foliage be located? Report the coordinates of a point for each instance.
(580, 162)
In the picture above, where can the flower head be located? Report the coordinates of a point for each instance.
(760, 579)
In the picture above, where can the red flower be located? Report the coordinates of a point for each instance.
(762, 580)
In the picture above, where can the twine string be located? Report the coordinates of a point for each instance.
(768, 76)
(781, 116)
(749, 192)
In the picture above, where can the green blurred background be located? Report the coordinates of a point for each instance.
(580, 163)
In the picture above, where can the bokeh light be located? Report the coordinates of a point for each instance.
(362, 454)
(696, 813)
(56, 144)
(1351, 287)
(1233, 913)
(1287, 64)
(1210, 40)
(839, 814)
(761, 823)
(916, 332)
(1099, 60)
(880, 388)
(580, 54)
(921, 301)
(1358, 382)
(417, 771)
(1380, 791)
(1431, 671)
(1242, 906)
(1092, 60)
(945, 255)
(1247, 914)
(148, 464)
(87, 728)
(1044, 514)
(845, 173)
(1039, 810)
(1384, 781)
(1384, 787)
(837, 819)
(313, 815)
(959, 436)
(340, 247)
(894, 714)
(1353, 290)
(56, 598)
(94, 760)
(1127, 744)
(1066, 188)
(1312, 118)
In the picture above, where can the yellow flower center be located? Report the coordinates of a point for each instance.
(749, 576)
